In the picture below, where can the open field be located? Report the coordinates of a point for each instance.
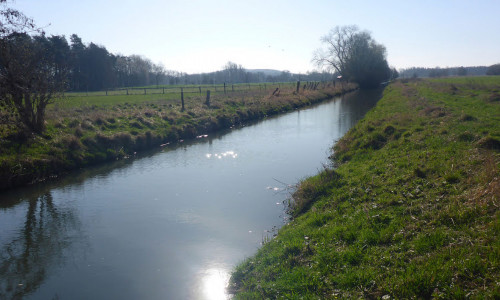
(174, 91)
(84, 130)
(410, 211)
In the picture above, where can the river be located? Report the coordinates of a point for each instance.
(168, 224)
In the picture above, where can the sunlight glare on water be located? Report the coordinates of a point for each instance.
(228, 154)
(215, 281)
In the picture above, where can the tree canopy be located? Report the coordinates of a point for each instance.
(32, 69)
(14, 21)
(32, 72)
(354, 55)
(493, 70)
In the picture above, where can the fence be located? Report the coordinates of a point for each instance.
(186, 89)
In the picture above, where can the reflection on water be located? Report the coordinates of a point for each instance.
(228, 154)
(29, 252)
(215, 282)
(165, 225)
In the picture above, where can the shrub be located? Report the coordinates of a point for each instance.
(466, 118)
(123, 139)
(79, 132)
(72, 143)
(466, 137)
(310, 190)
(73, 123)
(489, 143)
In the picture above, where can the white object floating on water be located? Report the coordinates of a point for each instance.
(249, 231)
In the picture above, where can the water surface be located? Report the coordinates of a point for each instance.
(170, 224)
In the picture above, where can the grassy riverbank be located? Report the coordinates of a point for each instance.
(411, 211)
(84, 130)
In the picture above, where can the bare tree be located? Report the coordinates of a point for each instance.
(338, 46)
(31, 76)
(12, 21)
(354, 55)
(32, 70)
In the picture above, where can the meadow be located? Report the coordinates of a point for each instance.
(88, 128)
(408, 208)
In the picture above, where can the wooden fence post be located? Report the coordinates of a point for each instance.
(144, 91)
(163, 91)
(106, 92)
(207, 102)
(182, 99)
(298, 86)
(199, 89)
(224, 88)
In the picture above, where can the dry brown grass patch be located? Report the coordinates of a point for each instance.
(487, 189)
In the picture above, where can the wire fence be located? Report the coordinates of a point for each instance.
(186, 89)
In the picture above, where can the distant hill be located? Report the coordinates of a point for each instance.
(267, 72)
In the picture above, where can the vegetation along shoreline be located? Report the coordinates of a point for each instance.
(411, 209)
(83, 130)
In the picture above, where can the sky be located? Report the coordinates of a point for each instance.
(196, 36)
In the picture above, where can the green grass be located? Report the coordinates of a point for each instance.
(83, 130)
(174, 91)
(410, 211)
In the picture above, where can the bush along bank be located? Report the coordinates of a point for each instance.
(410, 211)
(79, 134)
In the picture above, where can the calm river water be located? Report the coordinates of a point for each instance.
(169, 224)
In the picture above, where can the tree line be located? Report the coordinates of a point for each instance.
(91, 67)
(35, 69)
(420, 72)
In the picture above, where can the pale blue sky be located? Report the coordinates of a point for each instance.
(201, 36)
